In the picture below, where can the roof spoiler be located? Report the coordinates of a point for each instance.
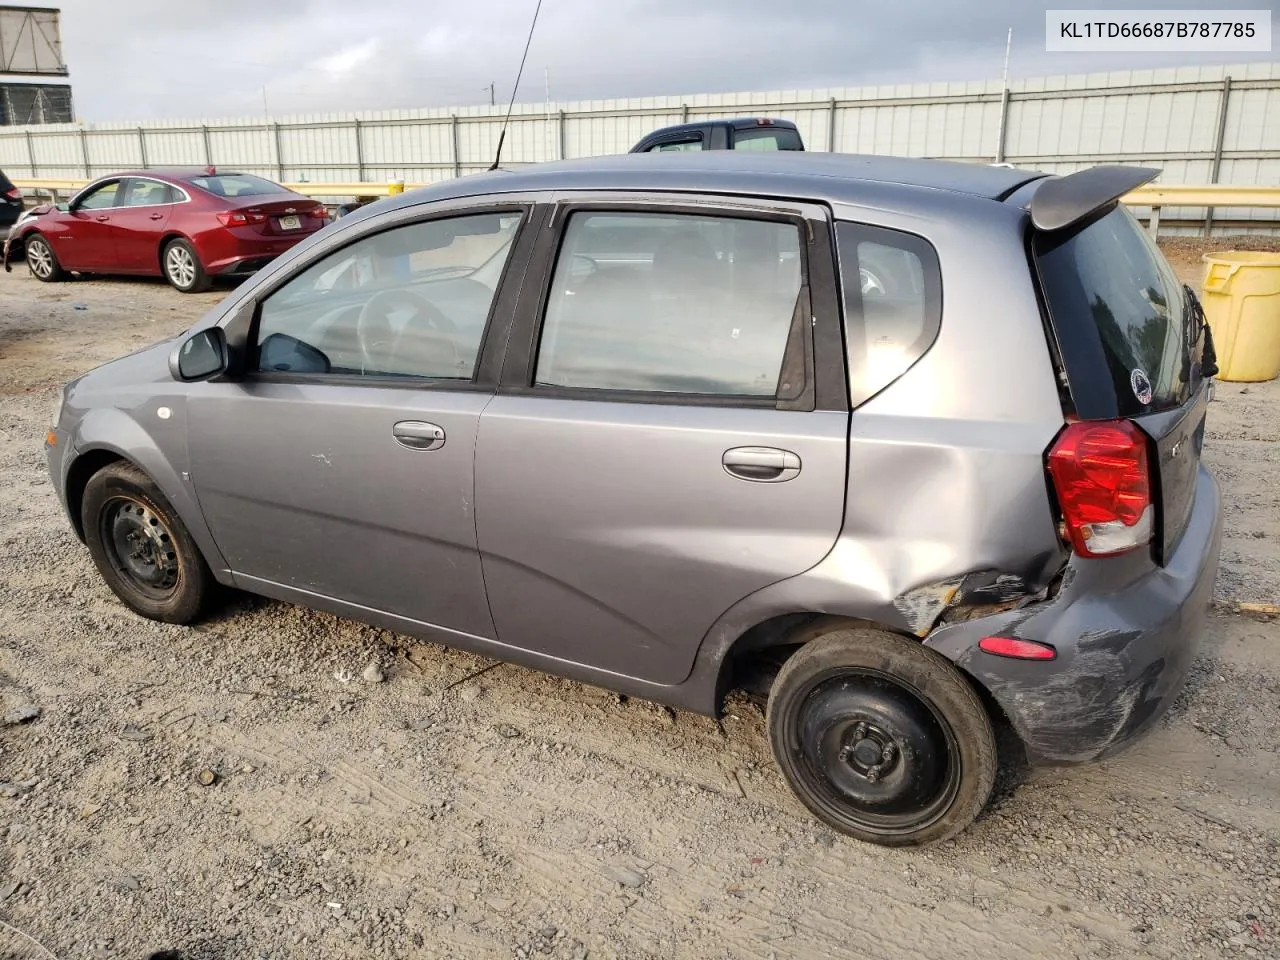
(1061, 201)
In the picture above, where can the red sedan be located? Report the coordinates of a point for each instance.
(187, 226)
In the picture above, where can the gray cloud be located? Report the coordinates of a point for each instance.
(142, 59)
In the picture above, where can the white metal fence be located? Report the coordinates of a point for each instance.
(1200, 124)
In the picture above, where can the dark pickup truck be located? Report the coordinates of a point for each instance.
(743, 133)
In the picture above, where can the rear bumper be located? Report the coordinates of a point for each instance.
(1126, 633)
(232, 253)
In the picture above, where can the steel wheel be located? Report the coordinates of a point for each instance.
(180, 265)
(881, 738)
(140, 547)
(874, 751)
(40, 259)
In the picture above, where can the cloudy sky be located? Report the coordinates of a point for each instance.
(140, 59)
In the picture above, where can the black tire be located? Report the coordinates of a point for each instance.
(41, 260)
(182, 267)
(856, 692)
(165, 577)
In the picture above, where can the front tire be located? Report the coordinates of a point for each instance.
(42, 261)
(182, 267)
(882, 738)
(141, 547)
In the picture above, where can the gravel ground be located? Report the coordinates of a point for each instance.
(243, 789)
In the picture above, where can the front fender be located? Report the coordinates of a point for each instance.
(160, 452)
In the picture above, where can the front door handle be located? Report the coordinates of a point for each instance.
(761, 464)
(418, 435)
(102, 218)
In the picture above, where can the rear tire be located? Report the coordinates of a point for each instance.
(42, 261)
(182, 267)
(882, 738)
(141, 547)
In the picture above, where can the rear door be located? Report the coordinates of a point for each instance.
(1132, 346)
(89, 242)
(662, 444)
(138, 223)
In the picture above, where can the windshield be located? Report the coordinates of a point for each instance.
(237, 185)
(1110, 283)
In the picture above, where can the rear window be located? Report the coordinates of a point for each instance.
(1121, 318)
(237, 185)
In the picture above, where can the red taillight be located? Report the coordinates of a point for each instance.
(1103, 482)
(239, 218)
(1018, 649)
(13, 193)
(320, 213)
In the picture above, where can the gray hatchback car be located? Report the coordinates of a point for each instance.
(912, 445)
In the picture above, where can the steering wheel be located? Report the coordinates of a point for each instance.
(382, 347)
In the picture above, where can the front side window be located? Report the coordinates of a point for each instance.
(893, 303)
(101, 198)
(412, 301)
(677, 146)
(672, 303)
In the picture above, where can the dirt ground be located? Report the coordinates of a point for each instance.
(463, 808)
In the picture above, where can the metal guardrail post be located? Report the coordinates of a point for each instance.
(453, 138)
(31, 153)
(1217, 148)
(831, 126)
(142, 147)
(359, 149)
(684, 113)
(1153, 225)
(275, 129)
(84, 153)
(563, 154)
(1004, 125)
(208, 146)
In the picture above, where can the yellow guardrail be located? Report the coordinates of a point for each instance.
(1154, 196)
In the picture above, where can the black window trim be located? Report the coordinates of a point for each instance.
(492, 340)
(851, 297)
(825, 386)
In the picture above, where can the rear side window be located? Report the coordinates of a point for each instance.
(892, 301)
(1120, 315)
(673, 303)
(766, 138)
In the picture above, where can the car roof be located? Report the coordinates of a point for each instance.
(737, 123)
(822, 177)
(181, 174)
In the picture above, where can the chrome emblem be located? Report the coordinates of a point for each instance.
(1176, 450)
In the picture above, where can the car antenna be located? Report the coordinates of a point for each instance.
(503, 134)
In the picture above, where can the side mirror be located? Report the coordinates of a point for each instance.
(201, 356)
(64, 207)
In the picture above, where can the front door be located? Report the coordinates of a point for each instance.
(659, 448)
(89, 244)
(138, 223)
(341, 467)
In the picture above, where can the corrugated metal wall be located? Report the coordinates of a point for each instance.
(1170, 118)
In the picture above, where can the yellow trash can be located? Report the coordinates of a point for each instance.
(395, 186)
(1242, 303)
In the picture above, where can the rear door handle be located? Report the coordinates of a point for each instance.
(418, 435)
(761, 464)
(157, 216)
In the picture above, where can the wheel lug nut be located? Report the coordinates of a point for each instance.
(845, 752)
(860, 731)
(873, 773)
(887, 753)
